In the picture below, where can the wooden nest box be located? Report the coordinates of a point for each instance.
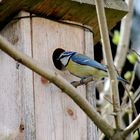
(80, 11)
(32, 108)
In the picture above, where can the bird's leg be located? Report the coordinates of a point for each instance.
(82, 80)
(75, 83)
(78, 83)
(85, 80)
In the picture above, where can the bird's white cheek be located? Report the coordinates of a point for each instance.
(64, 61)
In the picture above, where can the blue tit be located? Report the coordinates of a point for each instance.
(83, 66)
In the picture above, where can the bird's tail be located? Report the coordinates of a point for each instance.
(122, 80)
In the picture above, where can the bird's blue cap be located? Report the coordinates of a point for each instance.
(64, 54)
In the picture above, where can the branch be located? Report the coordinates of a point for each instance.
(83, 81)
(133, 126)
(131, 99)
(123, 45)
(136, 95)
(60, 82)
(128, 92)
(108, 56)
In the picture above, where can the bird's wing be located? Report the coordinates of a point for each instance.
(85, 60)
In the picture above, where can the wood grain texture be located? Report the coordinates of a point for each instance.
(92, 131)
(10, 99)
(57, 116)
(80, 11)
(26, 82)
(16, 87)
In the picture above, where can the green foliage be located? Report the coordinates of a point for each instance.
(128, 75)
(116, 37)
(132, 58)
(135, 135)
(131, 93)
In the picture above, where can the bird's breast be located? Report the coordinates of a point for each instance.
(84, 70)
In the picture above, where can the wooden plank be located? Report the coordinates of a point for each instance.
(26, 82)
(92, 131)
(113, 4)
(16, 86)
(57, 116)
(80, 11)
(10, 99)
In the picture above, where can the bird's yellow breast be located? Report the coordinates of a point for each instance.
(84, 70)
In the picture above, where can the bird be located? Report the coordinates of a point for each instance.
(81, 65)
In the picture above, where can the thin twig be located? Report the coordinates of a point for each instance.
(135, 52)
(128, 92)
(133, 76)
(124, 100)
(132, 102)
(133, 126)
(137, 97)
(108, 56)
(60, 82)
(136, 94)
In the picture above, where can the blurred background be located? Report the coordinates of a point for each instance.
(125, 43)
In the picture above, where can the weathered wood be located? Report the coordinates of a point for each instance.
(80, 11)
(10, 99)
(57, 116)
(26, 82)
(92, 132)
(16, 87)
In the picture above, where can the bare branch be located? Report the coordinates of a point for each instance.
(128, 88)
(123, 45)
(132, 102)
(128, 92)
(108, 56)
(133, 126)
(60, 82)
(136, 96)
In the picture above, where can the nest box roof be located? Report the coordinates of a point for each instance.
(81, 11)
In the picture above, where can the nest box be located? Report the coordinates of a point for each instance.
(81, 11)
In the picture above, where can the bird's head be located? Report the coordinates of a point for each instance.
(61, 58)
